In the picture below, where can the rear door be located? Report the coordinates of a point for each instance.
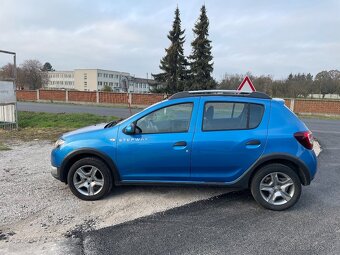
(231, 134)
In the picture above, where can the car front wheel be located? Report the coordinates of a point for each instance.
(276, 187)
(89, 179)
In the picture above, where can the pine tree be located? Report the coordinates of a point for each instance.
(201, 65)
(173, 64)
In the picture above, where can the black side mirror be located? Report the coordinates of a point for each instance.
(130, 129)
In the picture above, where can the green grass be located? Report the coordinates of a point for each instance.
(60, 120)
(48, 126)
(321, 117)
(4, 147)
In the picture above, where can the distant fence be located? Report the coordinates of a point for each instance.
(89, 97)
(300, 106)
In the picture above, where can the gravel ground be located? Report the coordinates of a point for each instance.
(39, 214)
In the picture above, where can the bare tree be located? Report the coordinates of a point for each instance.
(31, 75)
(7, 71)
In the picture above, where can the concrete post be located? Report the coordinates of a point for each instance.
(66, 99)
(130, 99)
(38, 95)
(97, 97)
(292, 103)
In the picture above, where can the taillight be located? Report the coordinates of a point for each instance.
(305, 138)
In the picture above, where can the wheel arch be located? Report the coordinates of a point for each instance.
(294, 163)
(76, 155)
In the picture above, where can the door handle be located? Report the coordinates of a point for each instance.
(181, 143)
(253, 142)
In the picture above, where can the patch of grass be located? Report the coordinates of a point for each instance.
(3, 147)
(49, 126)
(321, 117)
(60, 120)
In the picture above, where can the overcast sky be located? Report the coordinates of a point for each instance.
(263, 37)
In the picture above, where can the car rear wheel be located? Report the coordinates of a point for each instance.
(276, 187)
(89, 179)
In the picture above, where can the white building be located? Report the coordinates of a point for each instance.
(61, 80)
(97, 80)
(140, 85)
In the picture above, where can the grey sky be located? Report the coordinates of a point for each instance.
(263, 37)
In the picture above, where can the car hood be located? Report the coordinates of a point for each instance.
(85, 129)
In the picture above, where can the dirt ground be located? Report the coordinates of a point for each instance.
(39, 215)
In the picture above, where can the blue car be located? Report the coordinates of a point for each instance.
(217, 137)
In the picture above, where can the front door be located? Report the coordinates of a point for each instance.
(160, 149)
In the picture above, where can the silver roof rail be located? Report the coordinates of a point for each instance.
(219, 93)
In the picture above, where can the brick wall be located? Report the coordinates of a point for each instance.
(53, 95)
(146, 99)
(26, 95)
(82, 96)
(288, 102)
(317, 106)
(113, 98)
(309, 106)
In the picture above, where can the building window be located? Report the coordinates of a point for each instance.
(100, 74)
(111, 84)
(100, 83)
(111, 76)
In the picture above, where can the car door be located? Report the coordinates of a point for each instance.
(230, 136)
(160, 151)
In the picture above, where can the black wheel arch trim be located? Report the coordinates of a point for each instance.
(71, 157)
(302, 169)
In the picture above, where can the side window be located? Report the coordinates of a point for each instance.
(171, 119)
(231, 116)
(255, 116)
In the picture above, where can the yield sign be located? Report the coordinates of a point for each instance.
(246, 85)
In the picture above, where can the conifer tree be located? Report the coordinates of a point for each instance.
(173, 64)
(201, 65)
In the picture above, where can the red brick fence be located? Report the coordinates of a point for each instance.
(89, 97)
(302, 106)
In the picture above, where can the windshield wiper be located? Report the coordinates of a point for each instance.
(112, 123)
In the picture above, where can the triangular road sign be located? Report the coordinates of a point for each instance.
(246, 85)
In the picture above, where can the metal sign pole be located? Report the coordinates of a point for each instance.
(15, 89)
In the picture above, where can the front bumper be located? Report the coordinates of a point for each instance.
(55, 172)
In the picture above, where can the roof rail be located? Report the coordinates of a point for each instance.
(196, 93)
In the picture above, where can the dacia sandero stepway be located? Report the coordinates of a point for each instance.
(217, 137)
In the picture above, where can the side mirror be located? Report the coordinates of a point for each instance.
(130, 129)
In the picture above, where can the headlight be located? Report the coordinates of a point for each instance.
(59, 143)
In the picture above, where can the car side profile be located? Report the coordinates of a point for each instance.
(217, 137)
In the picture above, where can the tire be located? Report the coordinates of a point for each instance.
(93, 177)
(276, 187)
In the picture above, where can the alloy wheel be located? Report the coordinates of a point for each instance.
(88, 180)
(277, 188)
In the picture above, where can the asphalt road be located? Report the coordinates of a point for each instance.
(234, 224)
(120, 112)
